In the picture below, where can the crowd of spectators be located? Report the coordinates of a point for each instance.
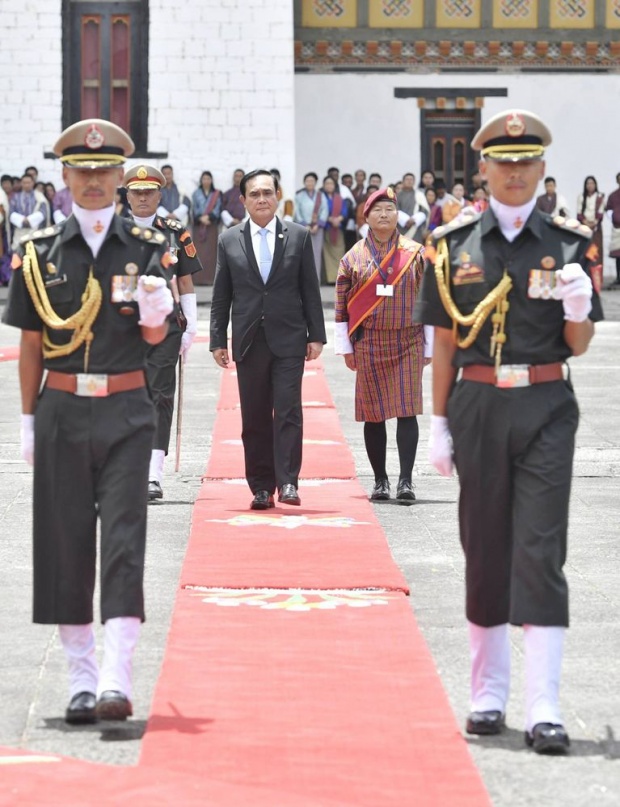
(331, 208)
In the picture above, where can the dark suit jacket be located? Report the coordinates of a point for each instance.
(288, 305)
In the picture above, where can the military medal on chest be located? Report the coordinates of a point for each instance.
(541, 282)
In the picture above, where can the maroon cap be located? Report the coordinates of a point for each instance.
(383, 194)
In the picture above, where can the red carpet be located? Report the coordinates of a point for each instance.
(9, 353)
(332, 541)
(294, 674)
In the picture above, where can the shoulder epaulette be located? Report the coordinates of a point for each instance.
(572, 225)
(45, 232)
(173, 224)
(464, 219)
(149, 234)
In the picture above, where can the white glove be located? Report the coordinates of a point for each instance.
(189, 306)
(440, 445)
(154, 301)
(574, 288)
(27, 438)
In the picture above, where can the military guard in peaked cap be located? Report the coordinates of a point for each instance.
(511, 299)
(144, 183)
(94, 143)
(90, 294)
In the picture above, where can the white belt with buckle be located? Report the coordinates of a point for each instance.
(513, 375)
(91, 385)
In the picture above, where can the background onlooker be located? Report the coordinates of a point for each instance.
(613, 206)
(5, 253)
(62, 206)
(206, 211)
(333, 244)
(413, 209)
(28, 210)
(311, 211)
(591, 209)
(550, 201)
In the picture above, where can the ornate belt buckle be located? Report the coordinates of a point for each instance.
(91, 385)
(513, 375)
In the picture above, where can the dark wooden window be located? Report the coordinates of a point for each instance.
(445, 139)
(105, 64)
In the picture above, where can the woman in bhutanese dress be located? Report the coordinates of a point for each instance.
(333, 243)
(206, 211)
(377, 285)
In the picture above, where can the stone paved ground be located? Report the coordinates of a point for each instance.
(424, 542)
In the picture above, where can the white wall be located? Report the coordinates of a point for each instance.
(354, 121)
(221, 87)
(30, 90)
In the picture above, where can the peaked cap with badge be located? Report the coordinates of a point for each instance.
(94, 143)
(143, 177)
(511, 136)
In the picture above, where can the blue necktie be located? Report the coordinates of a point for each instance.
(265, 254)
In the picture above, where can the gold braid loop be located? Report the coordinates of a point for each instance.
(495, 299)
(80, 323)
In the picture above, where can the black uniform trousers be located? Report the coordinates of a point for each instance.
(91, 459)
(161, 367)
(271, 415)
(513, 449)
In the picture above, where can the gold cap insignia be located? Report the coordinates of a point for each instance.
(94, 138)
(515, 125)
(142, 173)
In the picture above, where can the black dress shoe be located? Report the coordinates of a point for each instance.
(548, 738)
(491, 722)
(113, 705)
(155, 491)
(289, 495)
(404, 491)
(381, 491)
(81, 708)
(262, 500)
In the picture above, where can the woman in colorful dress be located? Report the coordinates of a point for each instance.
(591, 209)
(377, 285)
(206, 209)
(333, 243)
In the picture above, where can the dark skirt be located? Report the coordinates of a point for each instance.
(205, 239)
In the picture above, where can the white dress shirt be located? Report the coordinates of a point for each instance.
(256, 236)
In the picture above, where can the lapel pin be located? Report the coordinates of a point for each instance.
(280, 235)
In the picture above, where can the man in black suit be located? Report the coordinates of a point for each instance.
(265, 271)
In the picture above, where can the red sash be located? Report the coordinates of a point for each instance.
(365, 299)
(336, 210)
(215, 195)
(317, 206)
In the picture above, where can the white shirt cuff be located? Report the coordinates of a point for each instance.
(403, 218)
(36, 219)
(161, 211)
(342, 343)
(17, 220)
(429, 338)
(58, 216)
(226, 218)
